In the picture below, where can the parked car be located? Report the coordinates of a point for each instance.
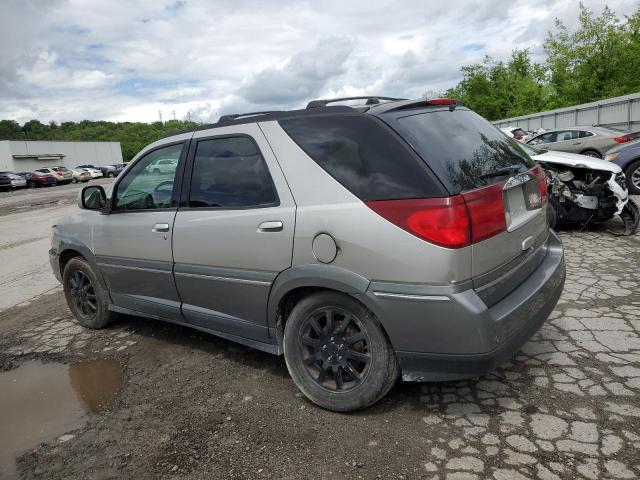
(5, 181)
(119, 167)
(94, 172)
(106, 170)
(80, 175)
(583, 190)
(162, 166)
(590, 141)
(321, 235)
(62, 174)
(627, 156)
(16, 181)
(39, 179)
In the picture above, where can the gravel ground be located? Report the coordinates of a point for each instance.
(195, 406)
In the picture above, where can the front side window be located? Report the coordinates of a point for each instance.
(145, 187)
(229, 172)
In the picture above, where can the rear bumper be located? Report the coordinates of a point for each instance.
(448, 335)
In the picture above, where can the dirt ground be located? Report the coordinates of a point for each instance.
(195, 406)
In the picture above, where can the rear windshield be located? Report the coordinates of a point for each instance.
(461, 147)
(364, 156)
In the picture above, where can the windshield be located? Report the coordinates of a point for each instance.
(463, 149)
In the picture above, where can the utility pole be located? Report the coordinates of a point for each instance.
(160, 115)
(174, 114)
(189, 115)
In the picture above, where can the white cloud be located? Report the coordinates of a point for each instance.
(76, 59)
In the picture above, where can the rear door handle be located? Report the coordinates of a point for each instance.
(273, 226)
(160, 227)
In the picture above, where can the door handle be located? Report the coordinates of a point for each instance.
(577, 143)
(273, 226)
(160, 227)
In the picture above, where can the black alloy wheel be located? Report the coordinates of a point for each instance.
(83, 294)
(335, 349)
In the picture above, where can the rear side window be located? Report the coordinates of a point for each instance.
(364, 156)
(229, 172)
(463, 149)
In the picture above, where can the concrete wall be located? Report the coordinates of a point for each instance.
(75, 153)
(619, 113)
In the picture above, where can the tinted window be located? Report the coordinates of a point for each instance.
(584, 134)
(361, 154)
(462, 147)
(146, 188)
(230, 173)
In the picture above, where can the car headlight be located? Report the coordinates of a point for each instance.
(610, 157)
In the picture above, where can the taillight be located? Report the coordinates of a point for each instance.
(541, 176)
(59, 174)
(486, 211)
(443, 221)
(623, 139)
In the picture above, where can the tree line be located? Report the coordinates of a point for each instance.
(599, 60)
(133, 136)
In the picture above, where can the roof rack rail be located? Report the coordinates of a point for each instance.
(371, 100)
(235, 116)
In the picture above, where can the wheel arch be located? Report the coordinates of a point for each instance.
(298, 282)
(587, 150)
(69, 250)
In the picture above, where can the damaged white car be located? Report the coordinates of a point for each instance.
(584, 190)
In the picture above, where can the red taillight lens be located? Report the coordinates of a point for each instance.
(443, 221)
(441, 101)
(486, 211)
(623, 139)
(541, 176)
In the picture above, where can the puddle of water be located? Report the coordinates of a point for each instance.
(41, 401)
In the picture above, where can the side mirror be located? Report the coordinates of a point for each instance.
(93, 198)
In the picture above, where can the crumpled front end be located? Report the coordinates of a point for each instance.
(581, 196)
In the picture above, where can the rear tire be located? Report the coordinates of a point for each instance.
(591, 153)
(337, 353)
(633, 177)
(87, 299)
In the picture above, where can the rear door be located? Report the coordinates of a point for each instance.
(234, 231)
(467, 153)
(132, 244)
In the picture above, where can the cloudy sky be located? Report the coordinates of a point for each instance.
(127, 60)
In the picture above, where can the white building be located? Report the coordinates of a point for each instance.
(29, 155)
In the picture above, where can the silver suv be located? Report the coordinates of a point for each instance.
(399, 237)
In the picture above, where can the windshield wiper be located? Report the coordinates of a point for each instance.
(501, 172)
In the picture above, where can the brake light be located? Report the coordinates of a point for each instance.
(623, 139)
(541, 176)
(443, 221)
(486, 211)
(441, 101)
(59, 174)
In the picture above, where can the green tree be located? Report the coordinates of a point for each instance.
(598, 60)
(497, 90)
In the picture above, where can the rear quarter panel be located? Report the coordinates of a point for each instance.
(367, 244)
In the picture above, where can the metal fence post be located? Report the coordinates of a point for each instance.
(629, 115)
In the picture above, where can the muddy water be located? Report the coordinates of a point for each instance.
(41, 401)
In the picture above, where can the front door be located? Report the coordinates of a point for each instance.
(133, 243)
(234, 234)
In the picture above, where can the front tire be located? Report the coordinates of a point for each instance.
(87, 299)
(337, 353)
(633, 177)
